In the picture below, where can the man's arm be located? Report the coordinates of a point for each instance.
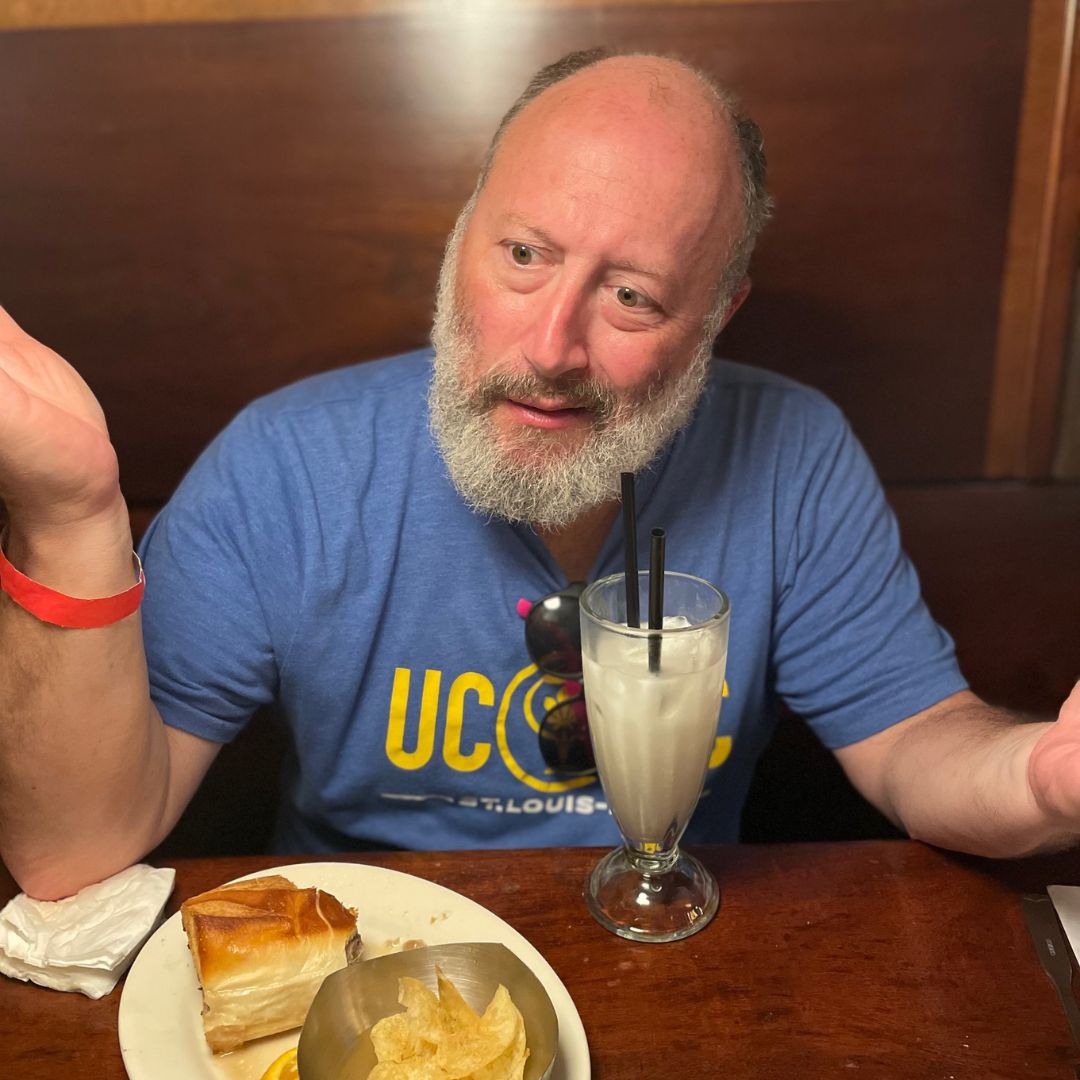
(966, 776)
(90, 778)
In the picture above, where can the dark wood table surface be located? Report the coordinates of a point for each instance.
(880, 959)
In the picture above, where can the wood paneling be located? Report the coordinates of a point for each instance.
(197, 214)
(1041, 264)
(890, 151)
(35, 14)
(1067, 456)
(1000, 571)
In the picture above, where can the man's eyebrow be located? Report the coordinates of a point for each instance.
(642, 271)
(626, 266)
(534, 230)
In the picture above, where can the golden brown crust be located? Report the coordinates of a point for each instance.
(260, 941)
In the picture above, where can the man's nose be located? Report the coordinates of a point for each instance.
(556, 341)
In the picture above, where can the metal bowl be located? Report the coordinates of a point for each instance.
(335, 1043)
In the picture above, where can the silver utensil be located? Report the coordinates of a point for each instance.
(1054, 955)
(335, 1043)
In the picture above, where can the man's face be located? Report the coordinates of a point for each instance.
(571, 332)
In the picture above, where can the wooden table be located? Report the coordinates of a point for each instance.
(885, 959)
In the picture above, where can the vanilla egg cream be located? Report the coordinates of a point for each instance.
(652, 733)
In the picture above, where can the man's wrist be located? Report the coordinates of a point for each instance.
(89, 557)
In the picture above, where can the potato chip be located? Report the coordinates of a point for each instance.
(397, 1038)
(456, 1012)
(444, 1039)
(422, 1007)
(509, 1065)
(413, 1034)
(472, 1045)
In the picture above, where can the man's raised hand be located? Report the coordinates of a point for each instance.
(1054, 765)
(58, 468)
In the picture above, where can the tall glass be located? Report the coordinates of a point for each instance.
(654, 702)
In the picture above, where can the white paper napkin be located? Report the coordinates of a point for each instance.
(1066, 900)
(86, 941)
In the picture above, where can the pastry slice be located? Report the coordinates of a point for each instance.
(261, 950)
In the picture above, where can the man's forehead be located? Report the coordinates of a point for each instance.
(630, 90)
(661, 81)
(650, 203)
(662, 153)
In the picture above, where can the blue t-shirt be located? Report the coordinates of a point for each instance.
(318, 554)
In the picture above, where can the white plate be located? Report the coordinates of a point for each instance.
(161, 1034)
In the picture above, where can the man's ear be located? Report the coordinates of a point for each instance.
(741, 293)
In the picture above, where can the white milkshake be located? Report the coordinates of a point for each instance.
(653, 734)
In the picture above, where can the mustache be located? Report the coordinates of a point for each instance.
(577, 393)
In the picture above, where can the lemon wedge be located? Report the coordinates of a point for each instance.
(283, 1068)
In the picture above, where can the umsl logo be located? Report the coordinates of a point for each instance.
(478, 725)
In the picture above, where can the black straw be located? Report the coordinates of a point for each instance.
(656, 596)
(629, 520)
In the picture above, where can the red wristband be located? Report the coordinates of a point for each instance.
(70, 612)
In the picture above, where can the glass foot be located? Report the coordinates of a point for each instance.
(643, 898)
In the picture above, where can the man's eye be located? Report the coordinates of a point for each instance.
(630, 297)
(522, 254)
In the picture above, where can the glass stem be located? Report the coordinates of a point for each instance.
(654, 863)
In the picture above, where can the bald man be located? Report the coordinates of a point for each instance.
(356, 547)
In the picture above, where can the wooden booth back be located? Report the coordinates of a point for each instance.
(195, 214)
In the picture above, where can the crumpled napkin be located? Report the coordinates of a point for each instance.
(86, 941)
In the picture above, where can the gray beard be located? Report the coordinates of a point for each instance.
(530, 477)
